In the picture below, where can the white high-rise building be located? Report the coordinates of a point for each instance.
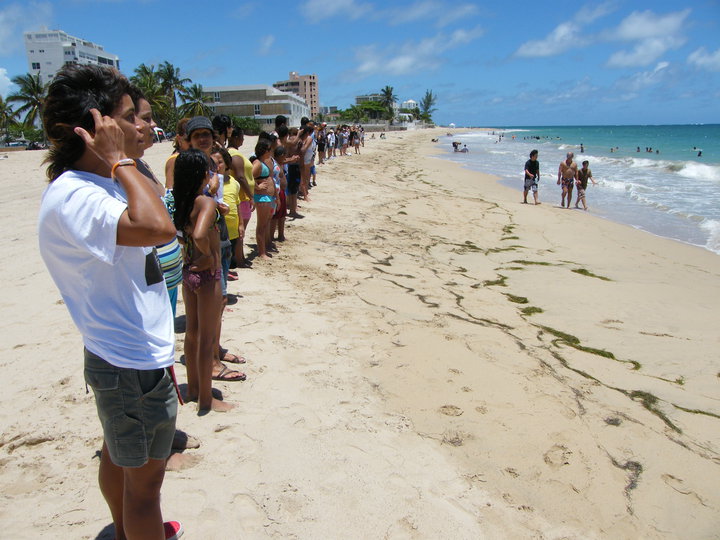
(49, 50)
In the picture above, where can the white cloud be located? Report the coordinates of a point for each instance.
(5, 83)
(266, 44)
(643, 79)
(577, 91)
(702, 59)
(17, 18)
(565, 36)
(411, 56)
(654, 34)
(646, 24)
(317, 10)
(645, 52)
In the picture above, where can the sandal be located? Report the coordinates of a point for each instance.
(230, 358)
(226, 373)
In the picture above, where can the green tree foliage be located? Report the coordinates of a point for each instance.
(250, 126)
(149, 81)
(29, 133)
(31, 97)
(427, 105)
(194, 102)
(388, 101)
(171, 81)
(8, 118)
(354, 113)
(368, 111)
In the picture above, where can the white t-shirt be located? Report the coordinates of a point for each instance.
(115, 294)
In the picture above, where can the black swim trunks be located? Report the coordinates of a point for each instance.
(293, 179)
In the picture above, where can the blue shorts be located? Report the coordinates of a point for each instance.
(225, 258)
(262, 198)
(137, 410)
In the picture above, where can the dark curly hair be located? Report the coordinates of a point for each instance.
(73, 92)
(226, 157)
(191, 168)
(262, 147)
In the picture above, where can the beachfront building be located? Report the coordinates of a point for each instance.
(305, 86)
(365, 98)
(409, 104)
(261, 102)
(49, 50)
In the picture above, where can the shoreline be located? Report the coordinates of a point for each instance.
(398, 383)
(658, 216)
(504, 182)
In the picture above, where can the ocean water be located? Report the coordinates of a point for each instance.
(670, 191)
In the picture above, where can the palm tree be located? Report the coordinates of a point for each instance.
(31, 96)
(7, 118)
(148, 81)
(388, 100)
(194, 101)
(354, 113)
(143, 70)
(427, 105)
(171, 81)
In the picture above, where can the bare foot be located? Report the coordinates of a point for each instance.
(178, 462)
(216, 406)
(183, 441)
(538, 203)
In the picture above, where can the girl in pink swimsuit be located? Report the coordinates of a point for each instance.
(196, 216)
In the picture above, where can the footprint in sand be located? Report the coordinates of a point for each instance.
(454, 438)
(450, 410)
(557, 456)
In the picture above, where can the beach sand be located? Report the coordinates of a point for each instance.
(427, 358)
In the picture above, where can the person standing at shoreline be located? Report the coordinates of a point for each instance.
(532, 177)
(582, 181)
(99, 220)
(567, 174)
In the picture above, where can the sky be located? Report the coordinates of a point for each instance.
(501, 63)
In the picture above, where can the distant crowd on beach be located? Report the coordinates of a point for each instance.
(120, 243)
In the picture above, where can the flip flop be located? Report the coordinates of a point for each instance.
(230, 358)
(225, 371)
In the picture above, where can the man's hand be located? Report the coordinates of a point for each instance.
(108, 143)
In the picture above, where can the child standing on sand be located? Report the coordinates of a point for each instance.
(582, 181)
(196, 215)
(532, 177)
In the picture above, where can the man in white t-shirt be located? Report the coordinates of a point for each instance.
(99, 219)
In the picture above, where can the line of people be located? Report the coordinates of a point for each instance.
(119, 244)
